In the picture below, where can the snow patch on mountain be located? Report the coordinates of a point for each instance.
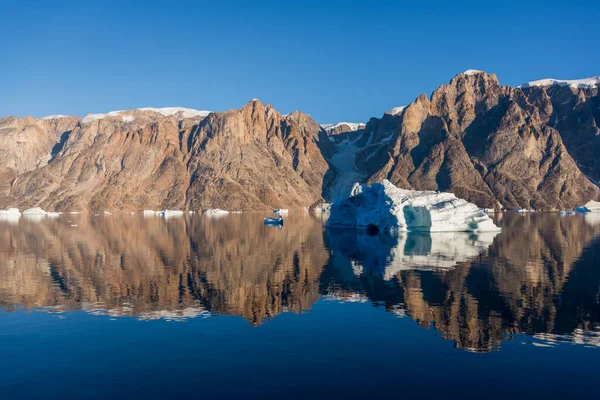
(586, 83)
(186, 112)
(57, 116)
(166, 111)
(396, 110)
(354, 126)
(472, 72)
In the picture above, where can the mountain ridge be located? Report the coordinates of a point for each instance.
(498, 146)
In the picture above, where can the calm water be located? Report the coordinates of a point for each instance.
(126, 306)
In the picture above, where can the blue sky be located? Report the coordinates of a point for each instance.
(336, 60)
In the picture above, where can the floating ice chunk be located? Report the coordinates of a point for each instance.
(590, 206)
(35, 211)
(151, 212)
(566, 213)
(10, 215)
(280, 211)
(107, 213)
(386, 207)
(10, 211)
(75, 212)
(216, 211)
(171, 213)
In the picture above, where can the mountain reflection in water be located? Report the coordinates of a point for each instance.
(539, 276)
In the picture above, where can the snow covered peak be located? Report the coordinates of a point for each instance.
(396, 110)
(166, 111)
(57, 116)
(472, 72)
(586, 83)
(352, 125)
(187, 112)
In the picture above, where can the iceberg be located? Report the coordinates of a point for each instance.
(13, 212)
(34, 211)
(10, 215)
(383, 206)
(171, 213)
(590, 206)
(216, 211)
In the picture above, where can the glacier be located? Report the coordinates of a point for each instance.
(383, 206)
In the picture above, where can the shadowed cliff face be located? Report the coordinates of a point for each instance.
(539, 275)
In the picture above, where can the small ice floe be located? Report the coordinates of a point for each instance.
(10, 212)
(216, 211)
(280, 211)
(34, 211)
(524, 210)
(566, 212)
(107, 213)
(488, 210)
(274, 221)
(171, 213)
(75, 212)
(383, 206)
(151, 212)
(74, 225)
(10, 215)
(590, 206)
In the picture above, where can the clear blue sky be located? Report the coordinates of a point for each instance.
(336, 60)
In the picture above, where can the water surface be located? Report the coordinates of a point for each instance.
(127, 306)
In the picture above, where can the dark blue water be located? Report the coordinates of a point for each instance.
(134, 307)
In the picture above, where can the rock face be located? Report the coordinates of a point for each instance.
(251, 158)
(29, 143)
(493, 145)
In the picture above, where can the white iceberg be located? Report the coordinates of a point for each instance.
(10, 212)
(590, 206)
(171, 213)
(10, 215)
(216, 211)
(151, 212)
(386, 207)
(35, 211)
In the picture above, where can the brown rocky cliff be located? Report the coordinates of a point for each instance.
(490, 144)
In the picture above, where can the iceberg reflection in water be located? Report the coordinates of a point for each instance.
(387, 254)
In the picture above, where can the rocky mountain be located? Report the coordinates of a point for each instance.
(251, 158)
(496, 146)
(534, 146)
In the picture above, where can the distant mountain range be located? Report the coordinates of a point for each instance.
(534, 146)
